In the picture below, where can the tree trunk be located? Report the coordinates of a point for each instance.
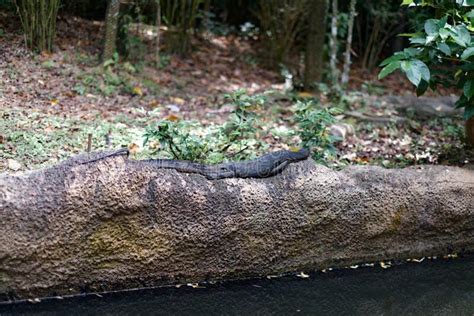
(315, 42)
(333, 43)
(206, 18)
(158, 32)
(347, 55)
(38, 19)
(111, 24)
(118, 223)
(470, 131)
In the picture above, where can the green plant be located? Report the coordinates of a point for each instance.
(442, 53)
(110, 78)
(178, 141)
(313, 122)
(281, 22)
(243, 120)
(130, 45)
(236, 138)
(38, 19)
(37, 139)
(48, 64)
(180, 18)
(377, 23)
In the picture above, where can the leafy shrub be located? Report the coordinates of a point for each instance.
(281, 21)
(312, 128)
(38, 19)
(130, 45)
(238, 138)
(440, 53)
(180, 17)
(110, 78)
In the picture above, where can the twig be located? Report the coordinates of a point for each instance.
(89, 142)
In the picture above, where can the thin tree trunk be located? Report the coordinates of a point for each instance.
(111, 22)
(333, 42)
(347, 57)
(315, 42)
(38, 19)
(158, 33)
(207, 9)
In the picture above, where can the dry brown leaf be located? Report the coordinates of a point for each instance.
(177, 100)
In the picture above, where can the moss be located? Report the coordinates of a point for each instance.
(397, 219)
(123, 237)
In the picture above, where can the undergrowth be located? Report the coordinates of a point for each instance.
(240, 137)
(36, 139)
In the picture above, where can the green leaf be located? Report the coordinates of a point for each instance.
(444, 33)
(442, 22)
(468, 89)
(469, 111)
(422, 87)
(461, 35)
(396, 57)
(431, 27)
(411, 72)
(411, 52)
(423, 69)
(470, 15)
(421, 40)
(415, 70)
(466, 3)
(443, 47)
(468, 52)
(387, 70)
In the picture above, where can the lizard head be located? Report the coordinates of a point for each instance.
(301, 154)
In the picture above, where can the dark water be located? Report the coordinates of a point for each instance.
(440, 287)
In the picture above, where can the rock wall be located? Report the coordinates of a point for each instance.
(117, 223)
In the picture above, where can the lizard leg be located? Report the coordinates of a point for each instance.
(279, 168)
(220, 175)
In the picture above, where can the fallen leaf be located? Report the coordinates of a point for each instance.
(70, 94)
(385, 265)
(177, 100)
(153, 145)
(305, 94)
(154, 104)
(49, 129)
(46, 54)
(34, 300)
(54, 101)
(137, 91)
(302, 275)
(14, 165)
(133, 148)
(195, 286)
(172, 118)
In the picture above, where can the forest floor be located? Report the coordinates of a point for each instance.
(50, 103)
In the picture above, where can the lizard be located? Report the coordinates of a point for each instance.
(262, 167)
